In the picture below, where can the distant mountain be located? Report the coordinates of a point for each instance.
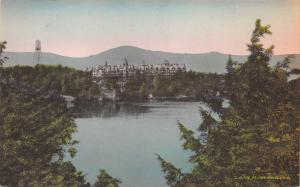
(203, 62)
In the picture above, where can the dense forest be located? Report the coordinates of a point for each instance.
(80, 84)
(58, 79)
(36, 128)
(254, 140)
(191, 84)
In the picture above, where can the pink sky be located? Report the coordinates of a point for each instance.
(90, 27)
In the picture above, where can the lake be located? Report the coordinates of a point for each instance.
(123, 139)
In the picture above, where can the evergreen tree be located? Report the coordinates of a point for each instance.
(35, 135)
(105, 180)
(230, 76)
(253, 141)
(143, 91)
(2, 58)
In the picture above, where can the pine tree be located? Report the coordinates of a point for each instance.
(2, 58)
(105, 180)
(35, 135)
(253, 141)
(230, 76)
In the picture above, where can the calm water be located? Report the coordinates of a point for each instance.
(124, 138)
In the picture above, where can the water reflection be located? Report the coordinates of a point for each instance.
(124, 137)
(109, 110)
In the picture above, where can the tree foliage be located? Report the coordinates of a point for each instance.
(36, 134)
(192, 84)
(58, 79)
(2, 58)
(254, 140)
(105, 180)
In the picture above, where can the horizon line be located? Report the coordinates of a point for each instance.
(131, 46)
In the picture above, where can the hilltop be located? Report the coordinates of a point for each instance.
(203, 62)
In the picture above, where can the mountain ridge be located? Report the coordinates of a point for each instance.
(204, 62)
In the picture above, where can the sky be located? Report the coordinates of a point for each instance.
(85, 27)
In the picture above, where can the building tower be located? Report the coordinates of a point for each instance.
(38, 51)
(126, 67)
